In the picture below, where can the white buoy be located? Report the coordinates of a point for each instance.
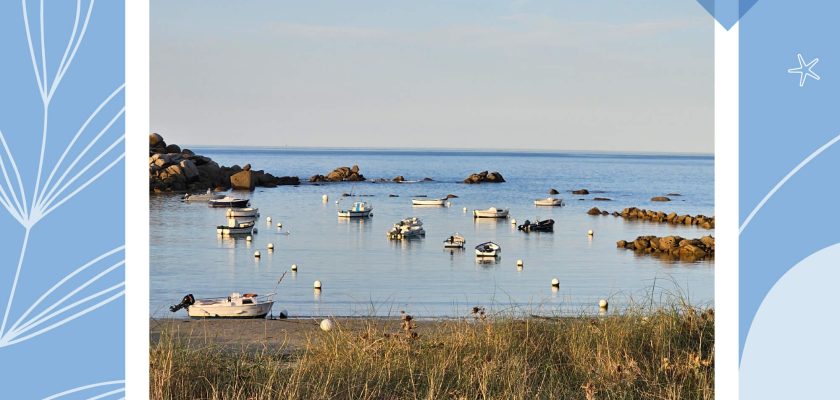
(270, 246)
(267, 219)
(317, 285)
(465, 209)
(248, 238)
(603, 303)
(449, 204)
(326, 325)
(294, 267)
(519, 263)
(513, 221)
(279, 225)
(325, 198)
(555, 282)
(257, 254)
(590, 233)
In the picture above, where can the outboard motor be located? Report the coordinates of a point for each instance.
(186, 302)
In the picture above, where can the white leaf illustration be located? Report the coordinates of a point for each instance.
(102, 390)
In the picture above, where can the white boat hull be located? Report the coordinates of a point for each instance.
(491, 213)
(221, 309)
(549, 202)
(243, 212)
(355, 214)
(428, 202)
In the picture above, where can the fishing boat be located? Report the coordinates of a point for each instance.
(360, 209)
(491, 212)
(243, 212)
(209, 195)
(228, 201)
(456, 241)
(537, 226)
(248, 305)
(406, 229)
(549, 202)
(236, 227)
(428, 202)
(487, 249)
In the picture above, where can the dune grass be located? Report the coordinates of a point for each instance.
(667, 353)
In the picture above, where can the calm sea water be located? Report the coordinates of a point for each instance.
(363, 273)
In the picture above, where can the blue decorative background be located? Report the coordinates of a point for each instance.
(62, 199)
(788, 271)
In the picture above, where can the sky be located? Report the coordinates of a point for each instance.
(572, 75)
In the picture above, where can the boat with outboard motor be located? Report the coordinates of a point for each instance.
(537, 226)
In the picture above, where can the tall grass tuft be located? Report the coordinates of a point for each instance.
(667, 353)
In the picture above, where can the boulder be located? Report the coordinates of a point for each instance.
(580, 191)
(485, 177)
(553, 191)
(427, 179)
(187, 152)
(243, 180)
(398, 178)
(621, 243)
(660, 198)
(247, 167)
(173, 148)
(601, 199)
(189, 169)
(594, 211)
(156, 140)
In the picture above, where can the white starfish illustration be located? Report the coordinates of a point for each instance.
(805, 69)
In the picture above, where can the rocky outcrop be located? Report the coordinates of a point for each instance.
(172, 168)
(674, 247)
(633, 213)
(601, 199)
(596, 211)
(485, 177)
(580, 191)
(340, 174)
(398, 178)
(553, 191)
(660, 198)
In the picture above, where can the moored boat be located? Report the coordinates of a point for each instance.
(360, 209)
(487, 249)
(236, 228)
(406, 229)
(248, 305)
(228, 201)
(537, 226)
(243, 212)
(428, 202)
(456, 241)
(491, 212)
(549, 202)
(209, 195)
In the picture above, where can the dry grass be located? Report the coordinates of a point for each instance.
(663, 354)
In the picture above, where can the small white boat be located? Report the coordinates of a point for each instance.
(248, 305)
(549, 202)
(236, 228)
(360, 209)
(228, 201)
(406, 229)
(210, 195)
(491, 212)
(456, 241)
(243, 212)
(428, 202)
(487, 249)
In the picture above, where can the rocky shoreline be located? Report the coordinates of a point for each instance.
(672, 246)
(633, 213)
(173, 169)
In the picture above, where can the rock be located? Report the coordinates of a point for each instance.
(354, 169)
(594, 211)
(247, 167)
(451, 196)
(673, 195)
(190, 170)
(660, 198)
(398, 178)
(580, 191)
(621, 243)
(708, 241)
(187, 152)
(601, 199)
(243, 180)
(485, 177)
(393, 195)
(173, 148)
(427, 179)
(287, 180)
(553, 191)
(156, 140)
(317, 178)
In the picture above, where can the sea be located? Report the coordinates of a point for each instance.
(363, 273)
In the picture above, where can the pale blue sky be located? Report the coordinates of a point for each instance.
(553, 75)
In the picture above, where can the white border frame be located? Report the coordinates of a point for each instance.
(137, 205)
(136, 200)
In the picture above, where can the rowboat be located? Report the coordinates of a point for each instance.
(456, 241)
(360, 209)
(549, 202)
(491, 212)
(248, 305)
(228, 201)
(243, 212)
(428, 202)
(487, 249)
